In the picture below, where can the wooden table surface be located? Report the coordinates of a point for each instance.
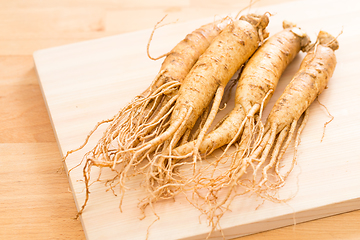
(35, 201)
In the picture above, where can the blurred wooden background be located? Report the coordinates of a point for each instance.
(35, 201)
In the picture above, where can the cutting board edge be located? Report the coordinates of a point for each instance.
(291, 219)
(61, 153)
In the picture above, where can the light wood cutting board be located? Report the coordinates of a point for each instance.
(86, 82)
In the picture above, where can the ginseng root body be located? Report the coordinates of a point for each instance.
(255, 165)
(256, 85)
(308, 83)
(204, 84)
(137, 118)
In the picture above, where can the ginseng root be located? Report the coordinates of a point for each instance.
(148, 111)
(283, 121)
(256, 165)
(205, 83)
(257, 84)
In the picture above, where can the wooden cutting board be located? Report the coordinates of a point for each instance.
(86, 82)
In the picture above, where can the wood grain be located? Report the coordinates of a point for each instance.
(35, 202)
(20, 93)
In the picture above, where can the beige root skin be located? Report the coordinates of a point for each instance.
(183, 56)
(175, 67)
(208, 78)
(138, 119)
(258, 169)
(312, 78)
(256, 86)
